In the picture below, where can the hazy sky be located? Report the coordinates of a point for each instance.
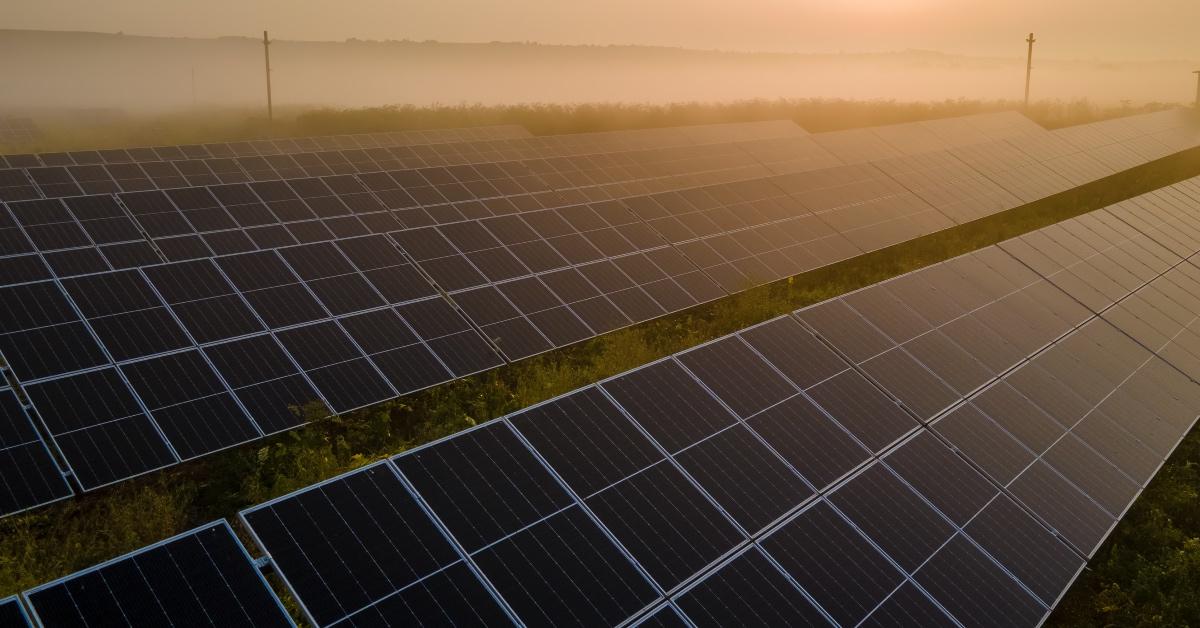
(1100, 29)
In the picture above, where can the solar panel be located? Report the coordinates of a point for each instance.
(204, 576)
(29, 474)
(17, 131)
(879, 503)
(102, 431)
(665, 616)
(908, 606)
(971, 586)
(386, 542)
(498, 486)
(689, 413)
(12, 613)
(565, 569)
(42, 335)
(749, 589)
(745, 477)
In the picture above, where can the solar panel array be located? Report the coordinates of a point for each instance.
(55, 175)
(944, 448)
(397, 288)
(18, 131)
(1121, 142)
(262, 148)
(950, 445)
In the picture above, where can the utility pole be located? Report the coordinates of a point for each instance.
(1028, 67)
(1197, 73)
(267, 55)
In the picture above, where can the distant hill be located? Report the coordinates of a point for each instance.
(100, 71)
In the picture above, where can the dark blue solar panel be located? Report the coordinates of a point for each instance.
(29, 475)
(201, 577)
(12, 613)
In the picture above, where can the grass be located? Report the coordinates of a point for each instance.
(56, 540)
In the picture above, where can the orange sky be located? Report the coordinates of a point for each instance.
(1151, 29)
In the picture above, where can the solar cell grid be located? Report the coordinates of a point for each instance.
(29, 475)
(981, 438)
(126, 314)
(749, 590)
(200, 576)
(871, 416)
(753, 386)
(190, 403)
(665, 616)
(835, 564)
(587, 440)
(918, 389)
(975, 590)
(564, 569)
(666, 523)
(350, 542)
(12, 613)
(264, 379)
(896, 518)
(745, 477)
(454, 596)
(908, 606)
(42, 336)
(1040, 561)
(99, 426)
(551, 326)
(945, 480)
(669, 404)
(330, 356)
(498, 486)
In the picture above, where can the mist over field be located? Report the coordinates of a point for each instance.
(42, 70)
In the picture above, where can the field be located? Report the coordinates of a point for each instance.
(1148, 573)
(75, 132)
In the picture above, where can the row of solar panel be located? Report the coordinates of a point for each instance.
(59, 181)
(32, 183)
(849, 146)
(70, 181)
(117, 437)
(162, 167)
(18, 131)
(782, 475)
(189, 223)
(531, 284)
(727, 425)
(906, 138)
(281, 146)
(95, 233)
(192, 222)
